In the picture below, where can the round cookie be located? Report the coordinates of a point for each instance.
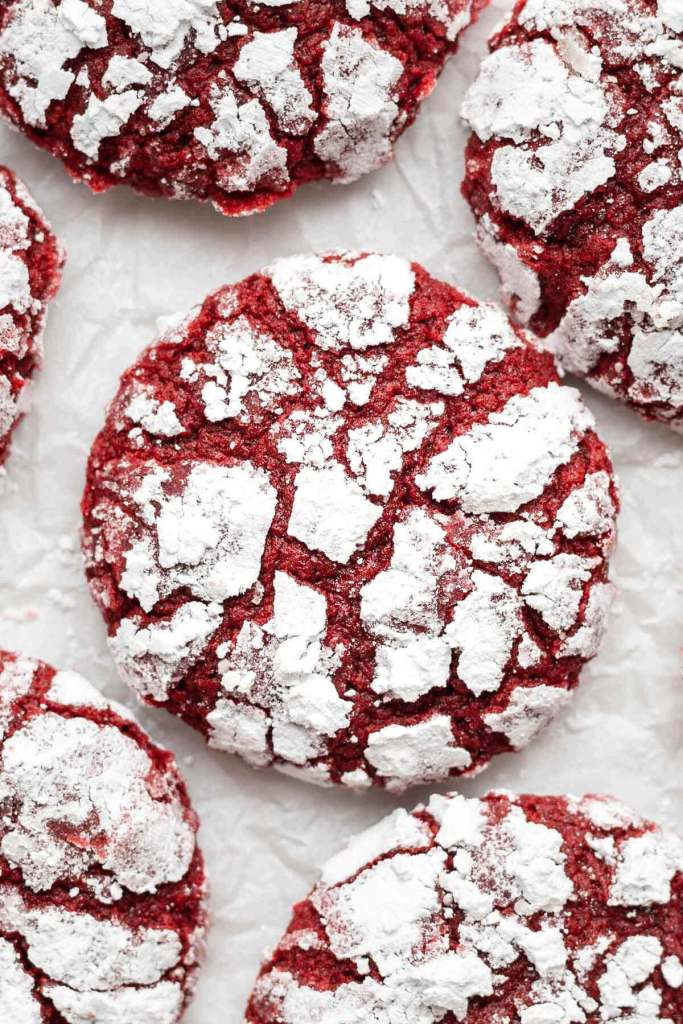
(102, 885)
(30, 264)
(234, 103)
(575, 176)
(542, 910)
(345, 520)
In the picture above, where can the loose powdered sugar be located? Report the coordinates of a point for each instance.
(337, 521)
(584, 145)
(96, 830)
(249, 106)
(495, 907)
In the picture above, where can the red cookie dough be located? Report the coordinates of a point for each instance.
(575, 176)
(236, 103)
(344, 520)
(537, 910)
(30, 264)
(102, 885)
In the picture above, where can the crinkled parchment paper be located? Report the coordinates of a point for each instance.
(131, 261)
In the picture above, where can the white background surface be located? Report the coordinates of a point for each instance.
(132, 260)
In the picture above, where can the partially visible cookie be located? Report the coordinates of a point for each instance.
(30, 269)
(537, 910)
(233, 103)
(575, 176)
(344, 520)
(102, 885)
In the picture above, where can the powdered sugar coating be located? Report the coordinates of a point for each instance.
(97, 847)
(30, 263)
(366, 553)
(199, 99)
(490, 910)
(577, 120)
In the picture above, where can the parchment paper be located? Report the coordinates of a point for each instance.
(133, 260)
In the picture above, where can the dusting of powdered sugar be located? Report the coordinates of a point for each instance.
(240, 94)
(267, 64)
(354, 301)
(17, 1000)
(376, 449)
(156, 417)
(520, 287)
(330, 512)
(591, 326)
(339, 418)
(425, 751)
(101, 775)
(16, 679)
(359, 80)
(525, 443)
(286, 669)
(240, 140)
(621, 324)
(249, 367)
(153, 657)
(476, 336)
(89, 812)
(164, 26)
(15, 238)
(87, 953)
(209, 537)
(160, 1003)
(41, 38)
(526, 91)
(389, 913)
(23, 293)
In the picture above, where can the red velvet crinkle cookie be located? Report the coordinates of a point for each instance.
(236, 103)
(344, 520)
(541, 910)
(575, 175)
(102, 886)
(30, 264)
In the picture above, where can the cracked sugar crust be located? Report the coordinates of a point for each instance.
(102, 886)
(233, 103)
(30, 268)
(345, 521)
(574, 172)
(539, 910)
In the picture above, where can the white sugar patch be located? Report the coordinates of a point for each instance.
(527, 92)
(240, 140)
(359, 81)
(527, 712)
(41, 38)
(426, 751)
(267, 64)
(351, 301)
(330, 512)
(210, 537)
(18, 1004)
(98, 779)
(152, 657)
(502, 464)
(165, 25)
